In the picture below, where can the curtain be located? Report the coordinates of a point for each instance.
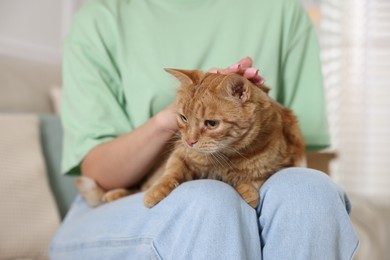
(355, 49)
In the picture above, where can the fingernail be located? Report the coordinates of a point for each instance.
(260, 80)
(235, 67)
(250, 72)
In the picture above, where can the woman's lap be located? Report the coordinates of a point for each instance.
(203, 219)
(192, 216)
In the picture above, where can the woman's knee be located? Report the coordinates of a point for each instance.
(304, 212)
(204, 193)
(293, 185)
(303, 186)
(210, 210)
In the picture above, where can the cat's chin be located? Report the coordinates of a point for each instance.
(201, 151)
(198, 151)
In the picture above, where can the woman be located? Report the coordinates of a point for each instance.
(118, 119)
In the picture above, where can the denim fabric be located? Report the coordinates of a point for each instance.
(302, 215)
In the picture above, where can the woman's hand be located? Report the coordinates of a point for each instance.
(166, 118)
(244, 68)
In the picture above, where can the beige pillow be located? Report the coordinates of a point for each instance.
(369, 221)
(55, 97)
(28, 214)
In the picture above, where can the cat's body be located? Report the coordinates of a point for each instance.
(230, 130)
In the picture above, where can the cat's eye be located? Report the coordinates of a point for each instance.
(211, 123)
(183, 118)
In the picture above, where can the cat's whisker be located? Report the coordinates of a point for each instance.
(173, 141)
(168, 151)
(170, 146)
(231, 149)
(225, 159)
(215, 157)
(211, 160)
(173, 132)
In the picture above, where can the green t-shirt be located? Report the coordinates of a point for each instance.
(116, 50)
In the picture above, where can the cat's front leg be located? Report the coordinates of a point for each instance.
(173, 176)
(116, 194)
(249, 192)
(160, 190)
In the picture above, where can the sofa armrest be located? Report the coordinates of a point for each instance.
(320, 160)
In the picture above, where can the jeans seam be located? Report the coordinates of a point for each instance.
(355, 250)
(157, 254)
(115, 242)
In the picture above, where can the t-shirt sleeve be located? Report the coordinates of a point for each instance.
(303, 89)
(93, 104)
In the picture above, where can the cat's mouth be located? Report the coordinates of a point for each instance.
(197, 150)
(201, 148)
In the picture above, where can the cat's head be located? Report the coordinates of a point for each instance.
(218, 113)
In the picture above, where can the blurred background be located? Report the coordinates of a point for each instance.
(354, 36)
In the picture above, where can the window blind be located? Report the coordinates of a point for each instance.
(355, 50)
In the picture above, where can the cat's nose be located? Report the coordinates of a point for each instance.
(191, 142)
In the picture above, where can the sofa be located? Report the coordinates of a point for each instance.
(35, 197)
(33, 194)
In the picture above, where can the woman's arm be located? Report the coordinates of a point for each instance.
(124, 161)
(100, 140)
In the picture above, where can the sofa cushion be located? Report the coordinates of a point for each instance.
(63, 187)
(28, 216)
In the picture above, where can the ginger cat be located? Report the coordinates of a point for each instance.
(230, 130)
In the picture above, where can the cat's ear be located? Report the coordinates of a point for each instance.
(237, 87)
(186, 77)
(264, 88)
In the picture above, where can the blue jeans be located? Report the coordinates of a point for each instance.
(302, 215)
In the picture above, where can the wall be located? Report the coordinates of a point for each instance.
(31, 36)
(35, 29)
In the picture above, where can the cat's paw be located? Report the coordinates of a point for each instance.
(159, 191)
(115, 194)
(249, 193)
